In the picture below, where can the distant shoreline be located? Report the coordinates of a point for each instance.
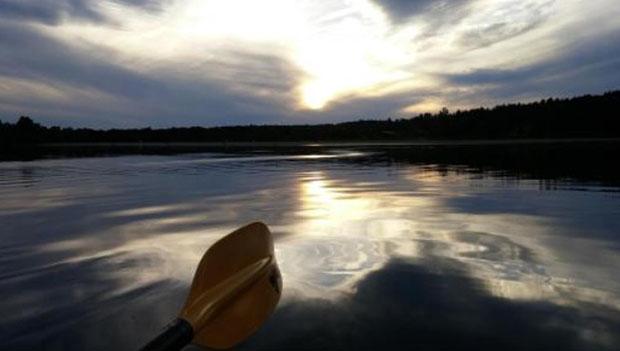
(581, 118)
(457, 142)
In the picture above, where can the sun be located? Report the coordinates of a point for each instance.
(339, 52)
(352, 55)
(336, 49)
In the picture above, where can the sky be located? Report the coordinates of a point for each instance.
(162, 63)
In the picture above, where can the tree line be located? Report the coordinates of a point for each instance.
(589, 116)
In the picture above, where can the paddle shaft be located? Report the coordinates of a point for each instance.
(178, 334)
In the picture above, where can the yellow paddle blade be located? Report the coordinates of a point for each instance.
(236, 286)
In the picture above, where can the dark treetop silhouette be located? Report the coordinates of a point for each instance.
(581, 117)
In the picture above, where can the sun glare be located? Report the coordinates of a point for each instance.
(342, 49)
(336, 62)
(253, 21)
(350, 56)
(343, 52)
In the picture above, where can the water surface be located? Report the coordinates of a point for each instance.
(428, 247)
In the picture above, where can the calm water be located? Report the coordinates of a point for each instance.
(401, 247)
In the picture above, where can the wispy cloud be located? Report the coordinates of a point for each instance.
(435, 13)
(53, 12)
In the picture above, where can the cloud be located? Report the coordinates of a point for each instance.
(53, 12)
(400, 11)
(167, 96)
(48, 11)
(584, 67)
(496, 32)
(435, 304)
(172, 62)
(502, 24)
(367, 107)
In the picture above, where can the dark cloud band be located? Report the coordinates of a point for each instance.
(400, 11)
(53, 12)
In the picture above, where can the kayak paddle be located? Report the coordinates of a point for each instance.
(237, 285)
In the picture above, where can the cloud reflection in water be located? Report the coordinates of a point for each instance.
(414, 255)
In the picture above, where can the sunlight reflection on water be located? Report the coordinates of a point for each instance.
(111, 244)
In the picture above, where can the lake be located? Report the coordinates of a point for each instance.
(492, 246)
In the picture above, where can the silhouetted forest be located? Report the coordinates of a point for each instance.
(581, 117)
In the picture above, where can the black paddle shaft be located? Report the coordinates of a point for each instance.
(177, 334)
